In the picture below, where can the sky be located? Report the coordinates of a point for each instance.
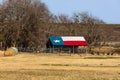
(107, 10)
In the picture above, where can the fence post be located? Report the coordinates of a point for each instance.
(53, 49)
(73, 50)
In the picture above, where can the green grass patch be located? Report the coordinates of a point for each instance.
(78, 65)
(56, 64)
(102, 58)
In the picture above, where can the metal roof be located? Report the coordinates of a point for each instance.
(68, 41)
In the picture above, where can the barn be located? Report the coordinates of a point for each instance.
(65, 43)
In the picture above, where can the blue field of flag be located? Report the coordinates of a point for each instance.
(57, 41)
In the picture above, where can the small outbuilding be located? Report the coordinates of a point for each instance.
(65, 43)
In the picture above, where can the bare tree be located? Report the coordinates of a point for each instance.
(23, 21)
(93, 32)
(77, 28)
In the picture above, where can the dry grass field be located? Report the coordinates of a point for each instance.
(26, 66)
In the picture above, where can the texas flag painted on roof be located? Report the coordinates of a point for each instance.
(68, 41)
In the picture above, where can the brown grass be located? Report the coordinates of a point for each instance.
(53, 67)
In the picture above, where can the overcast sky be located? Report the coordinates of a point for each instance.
(107, 10)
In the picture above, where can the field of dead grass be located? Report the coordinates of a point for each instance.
(26, 66)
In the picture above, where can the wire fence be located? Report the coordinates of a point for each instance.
(52, 50)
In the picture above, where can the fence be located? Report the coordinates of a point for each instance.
(52, 50)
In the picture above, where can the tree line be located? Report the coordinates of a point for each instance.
(29, 23)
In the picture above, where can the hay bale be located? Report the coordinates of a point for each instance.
(1, 53)
(11, 51)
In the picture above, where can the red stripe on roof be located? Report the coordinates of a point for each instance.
(75, 43)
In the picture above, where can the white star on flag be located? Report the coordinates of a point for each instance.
(56, 41)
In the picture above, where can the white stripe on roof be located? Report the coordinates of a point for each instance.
(73, 38)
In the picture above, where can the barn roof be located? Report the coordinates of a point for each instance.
(68, 41)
